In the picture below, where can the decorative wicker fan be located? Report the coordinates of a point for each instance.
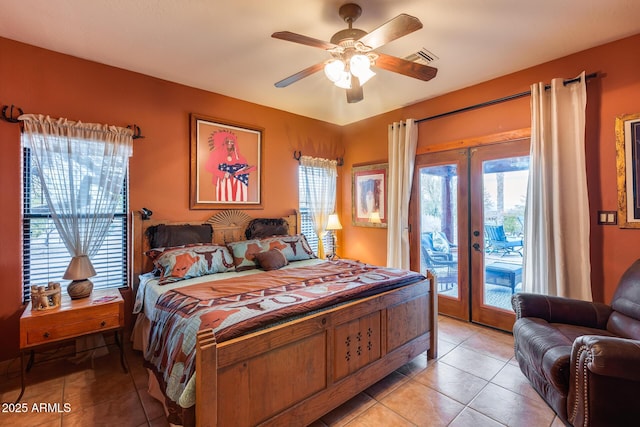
(229, 218)
(229, 226)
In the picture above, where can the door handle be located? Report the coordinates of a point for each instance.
(476, 246)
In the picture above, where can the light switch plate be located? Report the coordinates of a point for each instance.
(607, 217)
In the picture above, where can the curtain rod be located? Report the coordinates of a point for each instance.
(9, 116)
(500, 100)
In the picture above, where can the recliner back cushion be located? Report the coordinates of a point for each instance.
(623, 326)
(625, 319)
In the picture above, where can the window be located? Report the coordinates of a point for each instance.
(45, 256)
(306, 223)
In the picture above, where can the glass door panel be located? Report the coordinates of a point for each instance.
(441, 180)
(439, 239)
(498, 194)
(505, 190)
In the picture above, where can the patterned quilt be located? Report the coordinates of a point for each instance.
(234, 306)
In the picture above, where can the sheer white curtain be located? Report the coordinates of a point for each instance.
(403, 140)
(81, 167)
(319, 179)
(556, 253)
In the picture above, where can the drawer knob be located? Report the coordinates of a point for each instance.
(46, 335)
(103, 324)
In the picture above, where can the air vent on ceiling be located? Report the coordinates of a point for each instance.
(422, 56)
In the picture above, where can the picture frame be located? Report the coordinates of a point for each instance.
(369, 195)
(226, 164)
(628, 169)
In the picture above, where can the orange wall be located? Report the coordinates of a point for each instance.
(616, 92)
(41, 81)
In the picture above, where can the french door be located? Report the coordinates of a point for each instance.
(467, 211)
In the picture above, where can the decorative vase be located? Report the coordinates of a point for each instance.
(80, 288)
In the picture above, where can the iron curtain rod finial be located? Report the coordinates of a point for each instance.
(137, 132)
(10, 117)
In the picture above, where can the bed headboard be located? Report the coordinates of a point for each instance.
(228, 226)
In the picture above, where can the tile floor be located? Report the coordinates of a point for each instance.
(474, 382)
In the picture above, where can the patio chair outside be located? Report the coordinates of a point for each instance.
(440, 262)
(498, 242)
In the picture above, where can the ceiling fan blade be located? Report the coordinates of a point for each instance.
(355, 93)
(300, 75)
(408, 68)
(395, 28)
(299, 38)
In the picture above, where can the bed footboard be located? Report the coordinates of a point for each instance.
(294, 373)
(207, 365)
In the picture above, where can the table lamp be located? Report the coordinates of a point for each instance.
(334, 224)
(79, 271)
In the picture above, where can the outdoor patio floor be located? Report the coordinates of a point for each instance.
(496, 296)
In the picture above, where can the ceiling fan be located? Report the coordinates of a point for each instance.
(353, 53)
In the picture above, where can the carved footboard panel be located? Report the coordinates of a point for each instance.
(294, 373)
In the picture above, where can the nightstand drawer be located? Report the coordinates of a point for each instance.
(57, 332)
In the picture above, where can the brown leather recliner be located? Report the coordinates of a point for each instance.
(583, 358)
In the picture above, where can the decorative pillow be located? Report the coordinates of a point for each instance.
(164, 235)
(244, 252)
(265, 227)
(156, 252)
(294, 248)
(182, 263)
(272, 259)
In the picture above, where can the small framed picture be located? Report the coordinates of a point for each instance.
(369, 195)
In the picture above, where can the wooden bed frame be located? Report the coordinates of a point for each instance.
(295, 372)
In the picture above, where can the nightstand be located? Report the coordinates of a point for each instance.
(102, 311)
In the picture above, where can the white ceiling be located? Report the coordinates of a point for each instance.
(225, 46)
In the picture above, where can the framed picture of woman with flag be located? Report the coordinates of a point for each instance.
(225, 164)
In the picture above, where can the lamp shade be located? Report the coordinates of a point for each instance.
(334, 222)
(345, 81)
(79, 268)
(360, 66)
(334, 70)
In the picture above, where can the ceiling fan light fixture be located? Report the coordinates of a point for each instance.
(360, 66)
(334, 70)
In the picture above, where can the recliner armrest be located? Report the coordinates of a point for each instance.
(608, 356)
(604, 381)
(561, 310)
